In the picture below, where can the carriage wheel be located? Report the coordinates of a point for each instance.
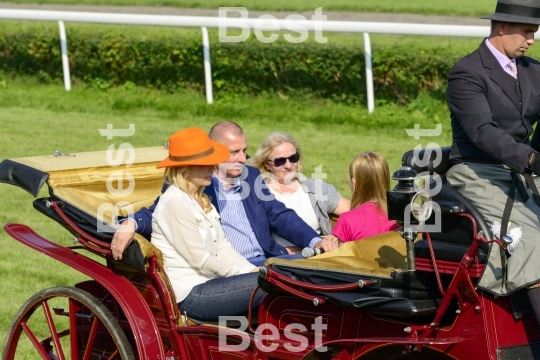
(65, 323)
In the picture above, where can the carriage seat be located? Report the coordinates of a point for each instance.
(456, 234)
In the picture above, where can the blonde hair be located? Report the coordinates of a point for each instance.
(371, 176)
(268, 145)
(177, 176)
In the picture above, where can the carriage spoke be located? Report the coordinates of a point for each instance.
(52, 329)
(39, 346)
(73, 308)
(114, 355)
(91, 338)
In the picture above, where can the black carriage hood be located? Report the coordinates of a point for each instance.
(23, 176)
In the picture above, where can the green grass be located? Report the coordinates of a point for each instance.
(29, 110)
(456, 7)
(38, 119)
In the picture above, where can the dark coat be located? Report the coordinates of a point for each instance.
(490, 122)
(264, 217)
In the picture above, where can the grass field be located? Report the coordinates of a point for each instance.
(456, 7)
(38, 119)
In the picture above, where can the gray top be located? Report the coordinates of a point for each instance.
(324, 199)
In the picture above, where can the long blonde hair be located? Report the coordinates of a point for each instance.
(371, 176)
(268, 145)
(177, 176)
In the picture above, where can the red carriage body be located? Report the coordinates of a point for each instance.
(359, 303)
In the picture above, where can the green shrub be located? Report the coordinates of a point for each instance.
(308, 69)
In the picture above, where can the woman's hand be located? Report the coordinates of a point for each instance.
(121, 238)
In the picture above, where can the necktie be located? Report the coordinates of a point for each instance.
(513, 69)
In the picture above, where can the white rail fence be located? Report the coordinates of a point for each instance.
(244, 23)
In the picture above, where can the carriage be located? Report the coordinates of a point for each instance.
(407, 294)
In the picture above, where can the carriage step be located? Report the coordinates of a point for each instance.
(61, 312)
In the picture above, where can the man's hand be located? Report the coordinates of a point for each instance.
(327, 245)
(333, 238)
(122, 237)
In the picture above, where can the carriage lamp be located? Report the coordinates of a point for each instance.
(409, 204)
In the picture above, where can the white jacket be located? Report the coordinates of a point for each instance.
(193, 244)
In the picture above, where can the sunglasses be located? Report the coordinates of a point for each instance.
(293, 159)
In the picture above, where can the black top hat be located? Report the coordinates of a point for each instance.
(516, 11)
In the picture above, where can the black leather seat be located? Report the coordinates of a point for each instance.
(456, 233)
(133, 255)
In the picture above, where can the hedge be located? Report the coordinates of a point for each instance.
(310, 69)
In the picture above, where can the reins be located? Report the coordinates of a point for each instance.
(517, 184)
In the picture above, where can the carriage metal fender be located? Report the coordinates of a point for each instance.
(137, 312)
(336, 346)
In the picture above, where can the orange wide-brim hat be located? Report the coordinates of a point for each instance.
(192, 146)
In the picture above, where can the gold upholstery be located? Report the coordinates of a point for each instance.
(377, 255)
(90, 183)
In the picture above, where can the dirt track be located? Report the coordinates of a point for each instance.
(332, 15)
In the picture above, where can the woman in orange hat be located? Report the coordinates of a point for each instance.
(209, 277)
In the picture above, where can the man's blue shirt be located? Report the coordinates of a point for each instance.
(234, 220)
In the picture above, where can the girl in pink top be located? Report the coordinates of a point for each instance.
(370, 179)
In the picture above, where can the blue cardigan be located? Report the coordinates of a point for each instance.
(264, 216)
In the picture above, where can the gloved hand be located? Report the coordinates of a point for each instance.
(535, 164)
